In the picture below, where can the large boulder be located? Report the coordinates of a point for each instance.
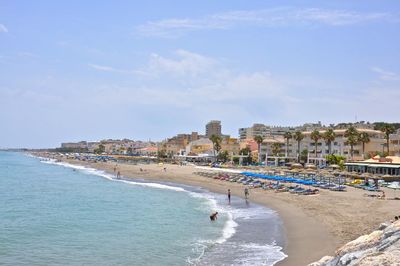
(381, 247)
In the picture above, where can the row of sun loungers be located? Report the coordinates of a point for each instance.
(277, 187)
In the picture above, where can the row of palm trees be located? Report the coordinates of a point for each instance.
(329, 136)
(354, 137)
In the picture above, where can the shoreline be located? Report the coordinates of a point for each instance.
(314, 226)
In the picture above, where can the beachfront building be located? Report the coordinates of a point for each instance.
(395, 143)
(255, 130)
(111, 146)
(74, 145)
(213, 128)
(273, 146)
(150, 151)
(231, 145)
(389, 165)
(339, 146)
(177, 144)
(200, 146)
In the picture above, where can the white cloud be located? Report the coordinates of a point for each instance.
(274, 17)
(186, 63)
(3, 28)
(114, 70)
(385, 75)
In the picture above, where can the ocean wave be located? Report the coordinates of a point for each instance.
(200, 247)
(111, 177)
(257, 254)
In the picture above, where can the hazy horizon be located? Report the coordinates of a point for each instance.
(88, 71)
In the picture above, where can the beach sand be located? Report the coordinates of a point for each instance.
(315, 225)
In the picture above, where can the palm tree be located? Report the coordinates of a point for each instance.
(329, 136)
(298, 136)
(216, 140)
(387, 129)
(259, 140)
(276, 148)
(352, 136)
(287, 136)
(315, 136)
(364, 138)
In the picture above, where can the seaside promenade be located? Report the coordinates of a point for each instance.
(315, 225)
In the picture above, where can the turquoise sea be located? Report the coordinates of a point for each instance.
(58, 214)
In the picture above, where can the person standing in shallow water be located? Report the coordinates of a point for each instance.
(229, 196)
(246, 193)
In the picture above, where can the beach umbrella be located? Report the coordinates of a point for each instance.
(387, 177)
(296, 165)
(310, 166)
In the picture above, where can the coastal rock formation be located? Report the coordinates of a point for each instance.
(381, 247)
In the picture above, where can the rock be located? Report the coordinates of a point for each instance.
(363, 242)
(322, 261)
(381, 247)
(383, 226)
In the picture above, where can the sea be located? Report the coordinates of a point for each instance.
(54, 213)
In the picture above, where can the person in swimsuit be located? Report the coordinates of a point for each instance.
(213, 216)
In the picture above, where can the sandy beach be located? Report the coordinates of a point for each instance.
(315, 225)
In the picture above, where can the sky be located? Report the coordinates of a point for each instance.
(91, 70)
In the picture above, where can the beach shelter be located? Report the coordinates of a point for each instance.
(296, 165)
(334, 166)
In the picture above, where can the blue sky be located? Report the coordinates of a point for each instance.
(88, 70)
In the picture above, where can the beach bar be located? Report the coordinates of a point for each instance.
(389, 165)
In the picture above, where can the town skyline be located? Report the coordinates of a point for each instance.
(237, 135)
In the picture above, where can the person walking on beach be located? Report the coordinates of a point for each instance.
(118, 175)
(229, 196)
(246, 193)
(213, 216)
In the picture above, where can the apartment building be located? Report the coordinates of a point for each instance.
(213, 128)
(255, 130)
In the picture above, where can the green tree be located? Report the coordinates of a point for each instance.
(298, 136)
(315, 136)
(387, 129)
(352, 136)
(259, 140)
(162, 151)
(364, 138)
(304, 155)
(287, 136)
(329, 136)
(100, 149)
(276, 148)
(223, 156)
(334, 159)
(216, 140)
(246, 151)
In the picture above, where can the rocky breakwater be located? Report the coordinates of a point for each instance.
(381, 247)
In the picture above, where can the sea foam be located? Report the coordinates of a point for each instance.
(256, 253)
